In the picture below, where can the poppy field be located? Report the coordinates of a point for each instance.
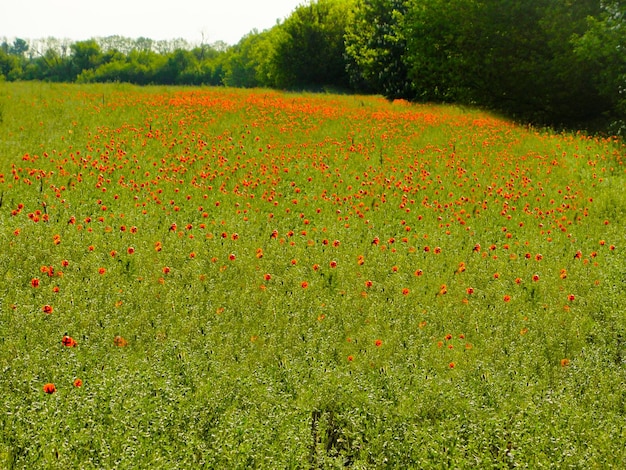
(227, 278)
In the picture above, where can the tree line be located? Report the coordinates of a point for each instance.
(546, 62)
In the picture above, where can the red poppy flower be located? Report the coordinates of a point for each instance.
(378, 343)
(69, 342)
(34, 282)
(78, 383)
(47, 309)
(49, 388)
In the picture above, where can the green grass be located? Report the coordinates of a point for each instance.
(225, 367)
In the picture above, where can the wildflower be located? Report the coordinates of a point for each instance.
(166, 269)
(368, 284)
(451, 365)
(507, 298)
(101, 271)
(564, 362)
(34, 282)
(304, 284)
(333, 264)
(469, 290)
(350, 358)
(267, 277)
(69, 342)
(48, 309)
(49, 388)
(120, 342)
(571, 297)
(535, 277)
(130, 250)
(405, 291)
(378, 343)
(78, 383)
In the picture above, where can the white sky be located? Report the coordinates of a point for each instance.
(219, 20)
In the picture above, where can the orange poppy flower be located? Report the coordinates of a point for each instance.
(48, 309)
(69, 342)
(49, 388)
(120, 342)
(78, 383)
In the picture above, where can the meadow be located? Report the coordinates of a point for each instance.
(227, 278)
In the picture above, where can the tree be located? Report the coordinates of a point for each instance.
(602, 46)
(247, 64)
(86, 55)
(310, 51)
(375, 40)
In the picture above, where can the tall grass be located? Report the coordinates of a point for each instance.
(258, 279)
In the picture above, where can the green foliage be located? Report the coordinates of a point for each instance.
(601, 46)
(511, 56)
(248, 64)
(309, 52)
(376, 48)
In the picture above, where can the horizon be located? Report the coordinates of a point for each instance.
(211, 22)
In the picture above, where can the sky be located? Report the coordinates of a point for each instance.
(192, 20)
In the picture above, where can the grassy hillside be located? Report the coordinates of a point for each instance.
(243, 278)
